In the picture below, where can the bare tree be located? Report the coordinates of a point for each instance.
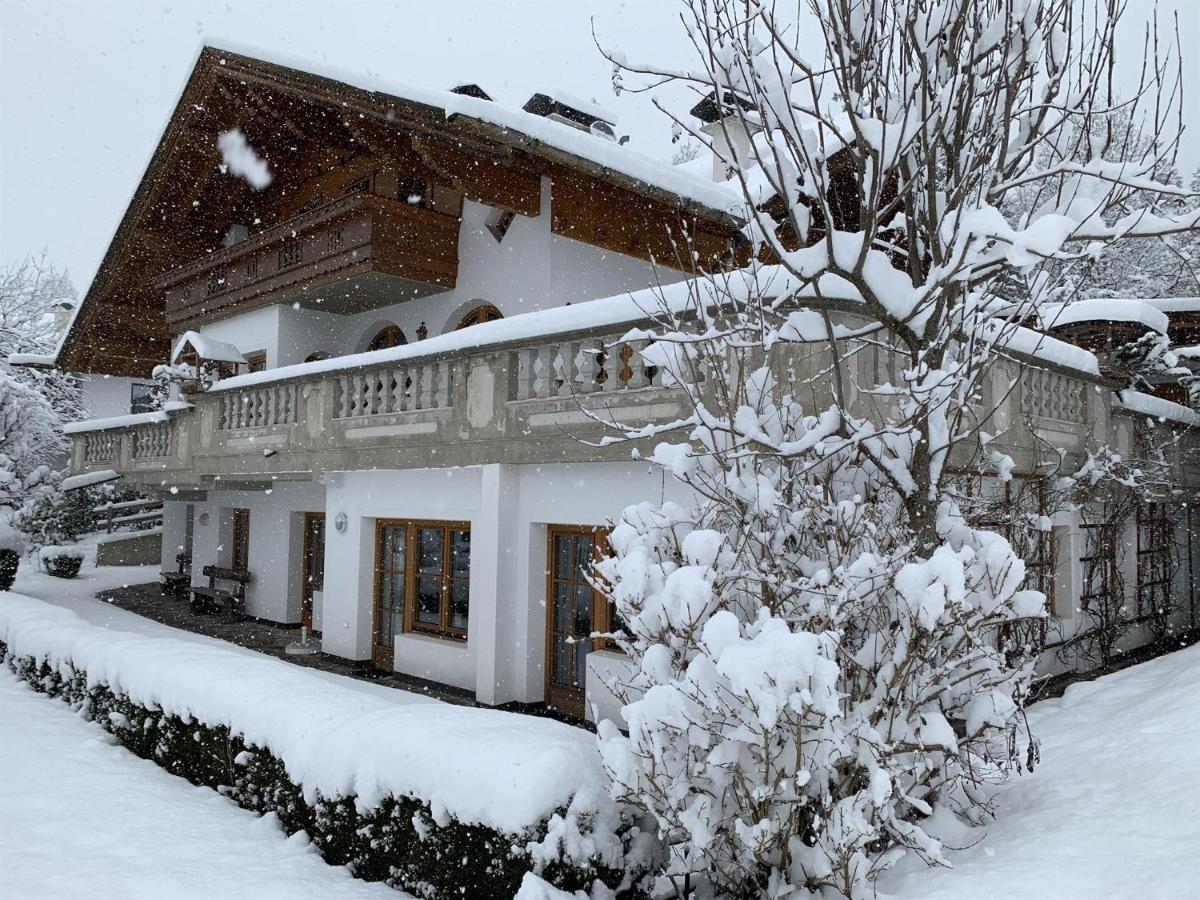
(813, 663)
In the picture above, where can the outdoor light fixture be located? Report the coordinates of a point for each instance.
(340, 522)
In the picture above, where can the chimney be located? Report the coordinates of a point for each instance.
(62, 315)
(731, 135)
(574, 112)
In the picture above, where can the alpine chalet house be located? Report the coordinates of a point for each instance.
(394, 443)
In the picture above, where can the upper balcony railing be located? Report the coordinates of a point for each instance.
(356, 235)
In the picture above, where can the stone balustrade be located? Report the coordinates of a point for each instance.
(532, 402)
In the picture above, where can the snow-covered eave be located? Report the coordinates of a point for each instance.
(89, 479)
(1047, 351)
(129, 421)
(32, 360)
(1155, 408)
(1106, 309)
(514, 126)
(1175, 304)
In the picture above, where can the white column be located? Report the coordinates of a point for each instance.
(174, 533)
(349, 577)
(492, 627)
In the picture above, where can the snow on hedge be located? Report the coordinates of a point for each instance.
(477, 766)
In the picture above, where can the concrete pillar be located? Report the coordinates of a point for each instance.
(495, 608)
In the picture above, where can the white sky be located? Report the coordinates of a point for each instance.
(86, 86)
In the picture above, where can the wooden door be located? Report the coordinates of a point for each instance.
(391, 548)
(574, 609)
(240, 557)
(314, 564)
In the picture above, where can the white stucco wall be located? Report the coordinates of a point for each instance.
(276, 543)
(509, 508)
(106, 395)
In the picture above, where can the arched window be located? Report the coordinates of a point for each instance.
(485, 312)
(390, 336)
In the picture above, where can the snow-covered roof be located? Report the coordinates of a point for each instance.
(1155, 407)
(161, 415)
(1104, 309)
(207, 348)
(36, 360)
(1176, 304)
(520, 127)
(89, 479)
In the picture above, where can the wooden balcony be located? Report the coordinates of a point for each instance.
(354, 253)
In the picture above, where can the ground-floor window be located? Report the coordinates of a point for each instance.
(574, 611)
(423, 579)
(1155, 558)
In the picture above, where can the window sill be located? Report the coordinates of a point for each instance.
(454, 640)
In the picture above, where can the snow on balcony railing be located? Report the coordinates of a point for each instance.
(590, 366)
(258, 407)
(405, 388)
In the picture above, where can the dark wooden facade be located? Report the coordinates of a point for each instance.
(345, 163)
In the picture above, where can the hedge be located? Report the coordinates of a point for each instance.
(397, 841)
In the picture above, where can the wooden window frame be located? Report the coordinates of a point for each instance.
(1099, 556)
(256, 362)
(239, 539)
(1155, 540)
(394, 331)
(444, 630)
(489, 311)
(602, 608)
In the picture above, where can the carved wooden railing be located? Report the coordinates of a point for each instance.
(258, 407)
(424, 384)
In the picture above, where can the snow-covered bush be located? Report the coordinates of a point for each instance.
(808, 690)
(61, 562)
(9, 562)
(421, 796)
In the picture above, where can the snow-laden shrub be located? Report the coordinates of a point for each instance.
(806, 694)
(61, 562)
(9, 561)
(399, 840)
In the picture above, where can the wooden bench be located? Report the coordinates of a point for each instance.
(175, 584)
(230, 599)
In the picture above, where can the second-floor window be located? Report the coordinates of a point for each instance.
(141, 398)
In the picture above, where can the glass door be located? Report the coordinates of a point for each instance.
(314, 564)
(570, 615)
(391, 548)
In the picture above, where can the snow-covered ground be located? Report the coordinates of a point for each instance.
(82, 818)
(1110, 814)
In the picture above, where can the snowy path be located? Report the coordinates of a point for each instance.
(1111, 814)
(82, 818)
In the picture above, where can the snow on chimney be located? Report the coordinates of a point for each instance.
(573, 111)
(730, 134)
